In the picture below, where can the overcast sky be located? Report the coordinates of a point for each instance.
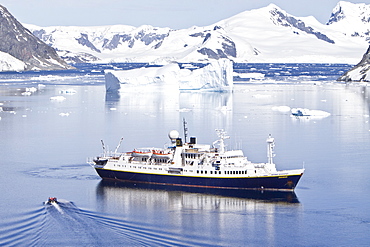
(160, 13)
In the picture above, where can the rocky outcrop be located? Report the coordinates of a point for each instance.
(359, 73)
(285, 20)
(20, 43)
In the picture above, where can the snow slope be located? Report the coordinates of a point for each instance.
(267, 34)
(10, 63)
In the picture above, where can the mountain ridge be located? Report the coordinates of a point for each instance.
(27, 52)
(268, 34)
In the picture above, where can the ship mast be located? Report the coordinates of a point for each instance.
(185, 130)
(270, 149)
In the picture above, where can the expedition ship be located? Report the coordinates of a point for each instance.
(196, 165)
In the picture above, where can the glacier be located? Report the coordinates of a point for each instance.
(216, 76)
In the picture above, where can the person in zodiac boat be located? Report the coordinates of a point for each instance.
(52, 200)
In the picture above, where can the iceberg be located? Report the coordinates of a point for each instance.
(216, 76)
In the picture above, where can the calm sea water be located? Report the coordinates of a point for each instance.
(45, 143)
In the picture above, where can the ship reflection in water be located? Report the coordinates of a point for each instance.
(112, 194)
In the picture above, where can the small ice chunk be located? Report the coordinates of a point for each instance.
(26, 93)
(184, 110)
(58, 98)
(68, 91)
(281, 108)
(261, 96)
(31, 89)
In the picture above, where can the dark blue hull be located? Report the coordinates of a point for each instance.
(268, 182)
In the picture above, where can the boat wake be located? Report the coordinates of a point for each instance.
(65, 224)
(74, 172)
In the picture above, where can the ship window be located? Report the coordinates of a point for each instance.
(201, 172)
(211, 172)
(205, 172)
(197, 171)
(219, 172)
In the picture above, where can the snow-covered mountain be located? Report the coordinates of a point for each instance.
(268, 34)
(20, 50)
(351, 19)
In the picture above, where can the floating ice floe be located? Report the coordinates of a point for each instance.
(58, 98)
(261, 96)
(29, 91)
(68, 91)
(26, 93)
(184, 110)
(281, 108)
(216, 76)
(41, 86)
(304, 112)
(251, 76)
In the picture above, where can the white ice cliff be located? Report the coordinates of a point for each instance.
(216, 76)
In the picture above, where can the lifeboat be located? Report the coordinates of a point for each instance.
(162, 154)
(142, 153)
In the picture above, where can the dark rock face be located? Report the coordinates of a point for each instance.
(21, 44)
(227, 49)
(84, 40)
(147, 38)
(359, 73)
(336, 16)
(289, 21)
